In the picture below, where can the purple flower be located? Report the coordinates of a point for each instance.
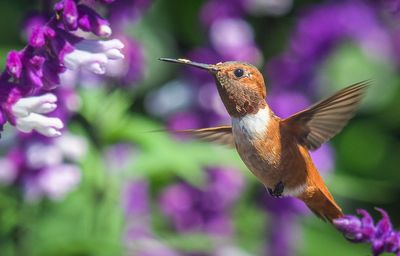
(203, 210)
(9, 171)
(73, 147)
(136, 199)
(382, 236)
(183, 120)
(131, 68)
(69, 13)
(45, 176)
(288, 102)
(204, 55)
(283, 223)
(284, 235)
(135, 202)
(43, 167)
(53, 47)
(54, 182)
(31, 22)
(323, 158)
(91, 21)
(233, 39)
(118, 157)
(225, 187)
(138, 237)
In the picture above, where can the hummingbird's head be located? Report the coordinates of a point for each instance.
(240, 85)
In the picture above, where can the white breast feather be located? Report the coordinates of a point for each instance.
(296, 191)
(252, 126)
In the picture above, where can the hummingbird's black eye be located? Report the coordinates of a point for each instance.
(238, 72)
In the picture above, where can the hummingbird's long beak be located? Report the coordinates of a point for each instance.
(210, 67)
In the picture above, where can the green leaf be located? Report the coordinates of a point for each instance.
(350, 64)
(158, 153)
(320, 238)
(190, 242)
(250, 224)
(359, 188)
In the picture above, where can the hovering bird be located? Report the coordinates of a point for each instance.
(276, 150)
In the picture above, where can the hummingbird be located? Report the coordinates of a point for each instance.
(276, 150)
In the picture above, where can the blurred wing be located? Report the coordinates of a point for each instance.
(323, 120)
(221, 134)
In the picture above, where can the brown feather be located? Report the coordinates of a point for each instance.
(220, 134)
(322, 204)
(320, 122)
(316, 195)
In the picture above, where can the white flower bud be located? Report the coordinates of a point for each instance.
(27, 112)
(93, 55)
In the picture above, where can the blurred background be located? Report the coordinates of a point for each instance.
(108, 186)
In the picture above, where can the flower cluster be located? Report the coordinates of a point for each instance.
(44, 168)
(381, 236)
(37, 94)
(53, 47)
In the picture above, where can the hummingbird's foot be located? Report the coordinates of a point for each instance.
(278, 190)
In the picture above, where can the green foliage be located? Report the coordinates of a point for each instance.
(159, 153)
(250, 224)
(319, 239)
(350, 64)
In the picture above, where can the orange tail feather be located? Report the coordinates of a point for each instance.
(322, 204)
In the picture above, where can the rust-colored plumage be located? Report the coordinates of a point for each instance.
(274, 149)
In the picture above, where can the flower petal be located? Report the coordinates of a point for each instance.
(70, 14)
(384, 226)
(48, 126)
(90, 20)
(14, 64)
(39, 104)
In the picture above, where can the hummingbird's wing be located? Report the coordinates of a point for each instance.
(220, 134)
(323, 120)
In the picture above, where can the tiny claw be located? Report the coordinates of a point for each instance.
(278, 190)
(270, 192)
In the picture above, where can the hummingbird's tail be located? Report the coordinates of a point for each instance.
(321, 203)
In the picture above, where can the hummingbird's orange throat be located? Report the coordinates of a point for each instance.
(240, 97)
